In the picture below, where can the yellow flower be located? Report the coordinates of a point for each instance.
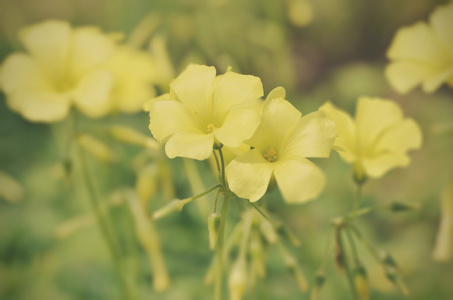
(281, 144)
(423, 53)
(135, 72)
(61, 68)
(377, 140)
(202, 108)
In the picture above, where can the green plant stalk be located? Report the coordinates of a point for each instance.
(347, 267)
(358, 198)
(219, 250)
(103, 225)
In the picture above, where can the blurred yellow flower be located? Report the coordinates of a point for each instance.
(281, 144)
(377, 140)
(61, 68)
(423, 53)
(202, 108)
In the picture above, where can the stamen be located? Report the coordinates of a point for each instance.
(270, 155)
(210, 128)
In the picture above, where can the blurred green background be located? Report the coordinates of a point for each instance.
(318, 50)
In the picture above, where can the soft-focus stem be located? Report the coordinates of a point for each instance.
(358, 198)
(219, 250)
(222, 163)
(102, 222)
(347, 267)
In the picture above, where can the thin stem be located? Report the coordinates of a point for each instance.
(355, 253)
(346, 266)
(365, 243)
(222, 161)
(102, 222)
(261, 212)
(219, 251)
(358, 197)
(218, 165)
(187, 200)
(326, 253)
(216, 200)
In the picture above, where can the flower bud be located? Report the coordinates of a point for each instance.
(443, 250)
(96, 148)
(400, 207)
(392, 273)
(146, 184)
(361, 283)
(268, 231)
(213, 228)
(131, 136)
(237, 281)
(10, 189)
(257, 253)
(320, 278)
(295, 270)
(173, 206)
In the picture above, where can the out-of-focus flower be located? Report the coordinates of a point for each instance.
(423, 53)
(62, 67)
(280, 146)
(377, 140)
(202, 108)
(443, 250)
(80, 67)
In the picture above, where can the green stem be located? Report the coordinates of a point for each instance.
(261, 212)
(102, 222)
(218, 165)
(365, 243)
(219, 250)
(347, 267)
(358, 198)
(222, 161)
(355, 253)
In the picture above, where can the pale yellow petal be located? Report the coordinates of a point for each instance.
(404, 136)
(442, 22)
(191, 144)
(345, 129)
(90, 48)
(167, 117)
(92, 95)
(20, 72)
(313, 136)
(234, 89)
(249, 175)
(299, 180)
(194, 87)
(379, 165)
(135, 73)
(373, 116)
(278, 92)
(432, 83)
(48, 42)
(238, 126)
(418, 43)
(39, 106)
(277, 121)
(403, 76)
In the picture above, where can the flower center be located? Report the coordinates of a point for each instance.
(270, 155)
(210, 128)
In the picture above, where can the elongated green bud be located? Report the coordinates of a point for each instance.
(295, 270)
(393, 275)
(361, 283)
(96, 148)
(173, 206)
(320, 279)
(400, 207)
(213, 228)
(131, 136)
